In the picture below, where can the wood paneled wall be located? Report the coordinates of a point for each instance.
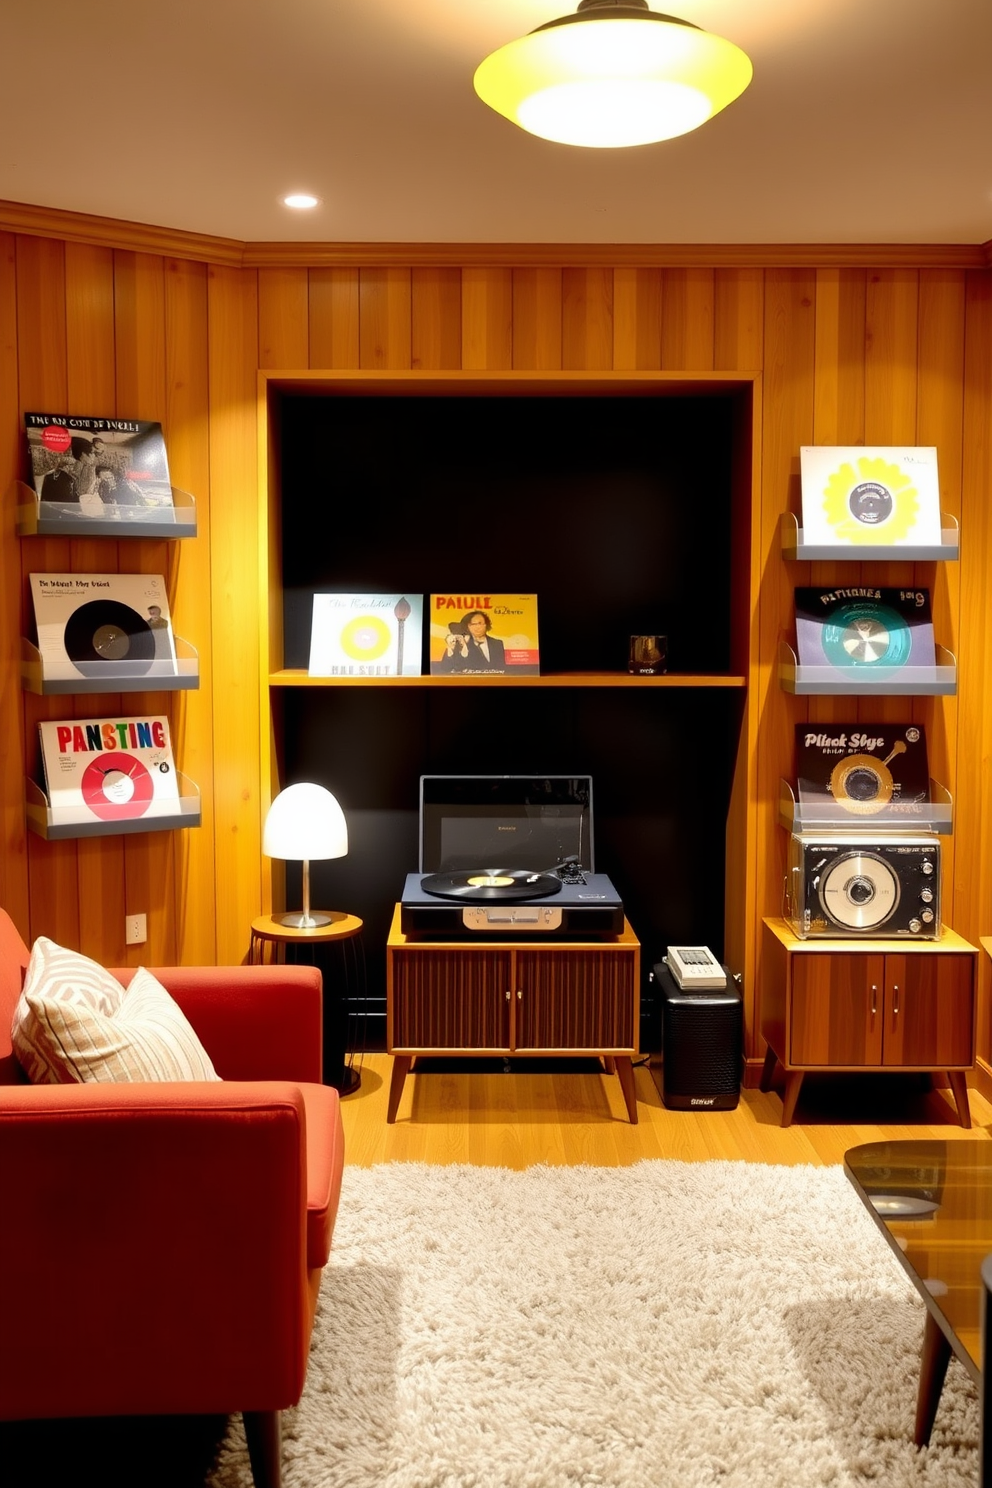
(846, 354)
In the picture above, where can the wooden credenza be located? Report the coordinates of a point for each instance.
(512, 997)
(855, 1005)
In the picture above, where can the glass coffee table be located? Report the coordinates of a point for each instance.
(933, 1203)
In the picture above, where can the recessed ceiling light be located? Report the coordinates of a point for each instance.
(302, 200)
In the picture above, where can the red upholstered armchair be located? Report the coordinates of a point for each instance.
(162, 1243)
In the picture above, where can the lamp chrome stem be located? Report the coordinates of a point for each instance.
(306, 920)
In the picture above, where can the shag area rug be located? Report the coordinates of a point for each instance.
(667, 1325)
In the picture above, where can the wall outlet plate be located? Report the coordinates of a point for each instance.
(135, 929)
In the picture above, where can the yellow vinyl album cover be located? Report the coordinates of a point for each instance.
(484, 635)
(879, 495)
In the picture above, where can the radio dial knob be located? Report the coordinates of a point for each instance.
(926, 895)
(926, 866)
(915, 926)
(926, 916)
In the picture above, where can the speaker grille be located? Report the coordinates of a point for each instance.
(702, 1046)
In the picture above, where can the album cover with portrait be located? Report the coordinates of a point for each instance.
(103, 626)
(484, 635)
(863, 773)
(880, 495)
(366, 635)
(864, 633)
(102, 468)
(108, 769)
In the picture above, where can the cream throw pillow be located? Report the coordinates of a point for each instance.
(75, 1022)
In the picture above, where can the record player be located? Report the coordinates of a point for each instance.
(508, 853)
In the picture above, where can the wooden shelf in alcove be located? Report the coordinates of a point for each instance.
(298, 677)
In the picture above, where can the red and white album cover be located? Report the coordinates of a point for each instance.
(108, 769)
(103, 626)
(484, 635)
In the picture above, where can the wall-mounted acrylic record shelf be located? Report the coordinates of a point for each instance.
(794, 546)
(113, 676)
(37, 518)
(905, 681)
(59, 823)
(935, 815)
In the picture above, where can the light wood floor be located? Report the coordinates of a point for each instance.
(516, 1120)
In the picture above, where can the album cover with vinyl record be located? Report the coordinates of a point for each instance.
(366, 635)
(864, 633)
(863, 773)
(108, 769)
(879, 495)
(103, 626)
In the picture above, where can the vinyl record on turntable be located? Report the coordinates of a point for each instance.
(859, 890)
(106, 631)
(488, 884)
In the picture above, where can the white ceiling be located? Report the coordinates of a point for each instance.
(868, 121)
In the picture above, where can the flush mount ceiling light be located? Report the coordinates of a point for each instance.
(301, 200)
(613, 74)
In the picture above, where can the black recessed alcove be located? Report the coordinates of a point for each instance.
(616, 512)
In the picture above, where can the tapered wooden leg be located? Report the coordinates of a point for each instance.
(401, 1068)
(263, 1431)
(625, 1074)
(933, 1367)
(609, 1064)
(793, 1080)
(768, 1069)
(959, 1088)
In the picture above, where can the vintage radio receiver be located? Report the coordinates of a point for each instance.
(885, 885)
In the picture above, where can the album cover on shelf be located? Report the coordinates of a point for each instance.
(882, 495)
(103, 626)
(864, 633)
(856, 772)
(108, 769)
(484, 635)
(366, 635)
(101, 468)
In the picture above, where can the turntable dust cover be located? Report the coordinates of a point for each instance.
(857, 774)
(108, 769)
(484, 635)
(103, 626)
(862, 632)
(882, 495)
(105, 468)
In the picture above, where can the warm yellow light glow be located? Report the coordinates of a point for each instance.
(606, 80)
(302, 200)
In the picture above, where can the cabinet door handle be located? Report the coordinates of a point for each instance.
(507, 994)
(895, 1002)
(520, 995)
(874, 999)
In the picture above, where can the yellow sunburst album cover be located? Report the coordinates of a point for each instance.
(366, 635)
(870, 495)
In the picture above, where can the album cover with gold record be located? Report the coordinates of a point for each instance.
(878, 495)
(366, 635)
(103, 626)
(108, 769)
(863, 773)
(862, 632)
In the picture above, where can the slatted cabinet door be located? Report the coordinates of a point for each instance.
(583, 999)
(446, 999)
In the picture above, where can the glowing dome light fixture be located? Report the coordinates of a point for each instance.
(614, 74)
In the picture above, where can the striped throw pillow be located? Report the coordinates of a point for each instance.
(145, 1037)
(54, 972)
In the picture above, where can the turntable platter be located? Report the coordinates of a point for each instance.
(487, 884)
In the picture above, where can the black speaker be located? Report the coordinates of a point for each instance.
(702, 1045)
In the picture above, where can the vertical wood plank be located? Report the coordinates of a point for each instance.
(232, 302)
(587, 319)
(42, 366)
(787, 403)
(139, 296)
(91, 380)
(487, 319)
(283, 318)
(436, 318)
(333, 314)
(187, 420)
(385, 318)
(687, 320)
(537, 320)
(738, 319)
(14, 895)
(637, 320)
